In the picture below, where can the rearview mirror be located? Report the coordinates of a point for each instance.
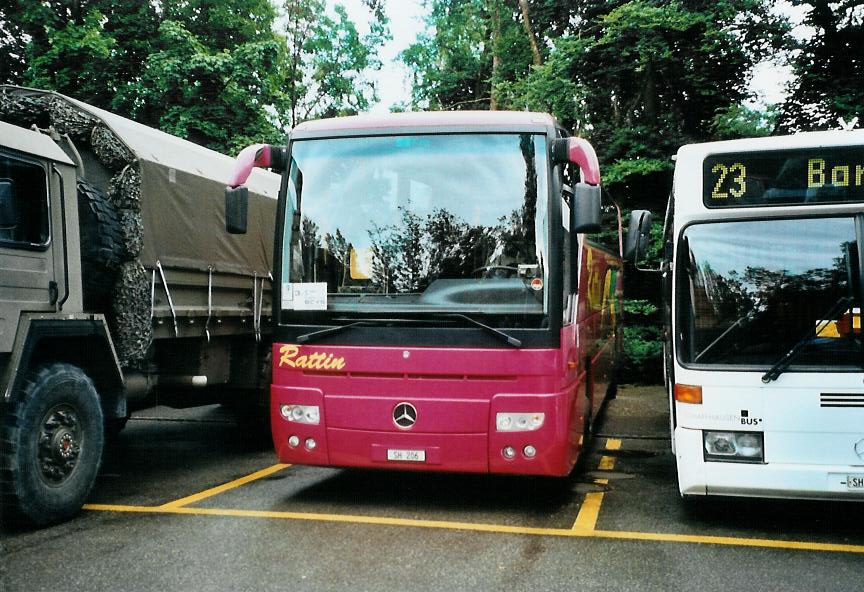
(585, 209)
(638, 235)
(236, 209)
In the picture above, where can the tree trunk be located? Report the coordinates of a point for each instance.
(496, 57)
(650, 93)
(526, 22)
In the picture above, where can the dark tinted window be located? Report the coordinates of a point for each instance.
(23, 203)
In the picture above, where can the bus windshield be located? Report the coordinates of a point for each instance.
(750, 291)
(453, 223)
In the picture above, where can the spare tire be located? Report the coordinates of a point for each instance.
(101, 245)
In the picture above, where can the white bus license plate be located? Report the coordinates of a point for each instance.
(406, 455)
(854, 481)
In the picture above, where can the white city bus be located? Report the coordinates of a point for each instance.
(765, 361)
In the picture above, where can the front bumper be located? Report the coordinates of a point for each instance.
(348, 435)
(771, 479)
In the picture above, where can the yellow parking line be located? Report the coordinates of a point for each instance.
(586, 520)
(191, 499)
(584, 527)
(489, 528)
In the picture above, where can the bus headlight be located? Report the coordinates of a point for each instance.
(301, 413)
(519, 422)
(734, 446)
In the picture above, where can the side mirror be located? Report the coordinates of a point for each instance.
(236, 209)
(638, 235)
(585, 209)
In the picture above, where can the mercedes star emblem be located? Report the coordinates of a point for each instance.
(404, 415)
(859, 449)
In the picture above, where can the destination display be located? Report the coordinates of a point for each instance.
(784, 177)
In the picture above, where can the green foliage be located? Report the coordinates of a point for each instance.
(639, 307)
(212, 71)
(625, 170)
(88, 49)
(328, 61)
(643, 351)
(829, 68)
(71, 49)
(739, 121)
(217, 98)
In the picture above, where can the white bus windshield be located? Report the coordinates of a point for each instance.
(751, 290)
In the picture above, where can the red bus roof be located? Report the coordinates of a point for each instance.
(428, 119)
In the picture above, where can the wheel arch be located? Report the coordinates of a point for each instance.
(80, 340)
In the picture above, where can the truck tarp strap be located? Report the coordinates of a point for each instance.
(168, 294)
(260, 308)
(256, 298)
(209, 302)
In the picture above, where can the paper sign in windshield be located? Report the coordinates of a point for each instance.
(312, 296)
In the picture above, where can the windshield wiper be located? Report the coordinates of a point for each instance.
(307, 337)
(777, 369)
(500, 335)
(741, 322)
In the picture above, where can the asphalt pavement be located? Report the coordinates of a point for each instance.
(183, 503)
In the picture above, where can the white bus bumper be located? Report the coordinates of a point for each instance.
(697, 477)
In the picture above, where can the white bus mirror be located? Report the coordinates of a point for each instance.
(638, 235)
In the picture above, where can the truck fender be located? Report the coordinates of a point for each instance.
(82, 340)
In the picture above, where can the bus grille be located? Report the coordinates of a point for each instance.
(841, 400)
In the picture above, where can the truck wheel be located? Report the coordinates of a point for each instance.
(52, 442)
(101, 244)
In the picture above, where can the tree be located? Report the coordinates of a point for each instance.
(89, 49)
(473, 45)
(211, 71)
(829, 68)
(642, 77)
(215, 77)
(328, 61)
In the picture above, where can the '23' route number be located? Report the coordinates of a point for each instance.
(737, 174)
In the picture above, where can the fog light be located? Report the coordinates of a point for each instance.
(749, 445)
(508, 452)
(734, 446)
(301, 413)
(293, 441)
(529, 451)
(519, 422)
(310, 444)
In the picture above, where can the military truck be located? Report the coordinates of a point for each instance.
(118, 290)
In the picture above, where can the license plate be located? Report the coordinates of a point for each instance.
(854, 481)
(406, 455)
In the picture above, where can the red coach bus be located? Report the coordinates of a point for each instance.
(437, 305)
